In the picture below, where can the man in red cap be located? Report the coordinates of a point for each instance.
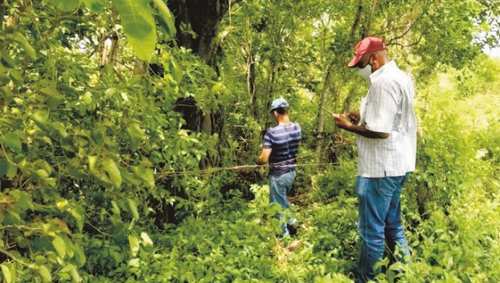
(386, 129)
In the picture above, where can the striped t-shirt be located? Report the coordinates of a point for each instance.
(284, 141)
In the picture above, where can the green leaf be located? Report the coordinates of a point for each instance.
(59, 246)
(146, 240)
(92, 163)
(105, 170)
(134, 244)
(139, 26)
(7, 275)
(23, 42)
(136, 133)
(11, 170)
(66, 5)
(95, 5)
(175, 70)
(112, 172)
(79, 257)
(79, 215)
(44, 274)
(22, 200)
(132, 205)
(4, 167)
(41, 119)
(55, 98)
(73, 272)
(166, 16)
(115, 208)
(145, 174)
(12, 141)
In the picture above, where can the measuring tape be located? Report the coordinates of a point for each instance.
(211, 170)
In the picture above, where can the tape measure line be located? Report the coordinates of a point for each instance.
(233, 168)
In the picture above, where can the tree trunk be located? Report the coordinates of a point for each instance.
(321, 111)
(368, 22)
(203, 17)
(251, 87)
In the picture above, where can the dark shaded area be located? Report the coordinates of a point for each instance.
(190, 112)
(156, 69)
(202, 16)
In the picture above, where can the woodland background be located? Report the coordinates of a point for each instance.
(115, 116)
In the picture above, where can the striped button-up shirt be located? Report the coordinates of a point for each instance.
(388, 108)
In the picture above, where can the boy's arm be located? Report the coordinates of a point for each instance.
(264, 156)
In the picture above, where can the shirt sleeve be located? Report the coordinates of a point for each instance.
(381, 109)
(268, 140)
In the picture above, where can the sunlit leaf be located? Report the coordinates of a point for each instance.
(7, 275)
(139, 26)
(132, 205)
(146, 240)
(44, 274)
(112, 171)
(166, 16)
(59, 245)
(136, 133)
(134, 244)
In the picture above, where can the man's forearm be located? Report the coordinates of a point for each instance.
(362, 131)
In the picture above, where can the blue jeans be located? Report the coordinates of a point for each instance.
(279, 186)
(379, 221)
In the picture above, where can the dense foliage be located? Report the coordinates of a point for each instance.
(112, 129)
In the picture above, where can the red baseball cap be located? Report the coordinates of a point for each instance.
(366, 45)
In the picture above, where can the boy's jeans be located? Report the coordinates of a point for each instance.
(379, 221)
(279, 186)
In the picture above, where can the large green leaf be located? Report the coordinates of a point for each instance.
(44, 274)
(132, 205)
(22, 200)
(166, 16)
(106, 170)
(59, 246)
(139, 26)
(136, 133)
(145, 174)
(112, 171)
(7, 275)
(134, 244)
(73, 272)
(12, 141)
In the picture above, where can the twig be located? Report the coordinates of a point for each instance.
(11, 256)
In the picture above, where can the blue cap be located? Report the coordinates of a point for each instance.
(279, 103)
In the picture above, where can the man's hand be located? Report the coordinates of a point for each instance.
(354, 117)
(342, 121)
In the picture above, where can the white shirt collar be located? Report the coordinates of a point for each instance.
(387, 66)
